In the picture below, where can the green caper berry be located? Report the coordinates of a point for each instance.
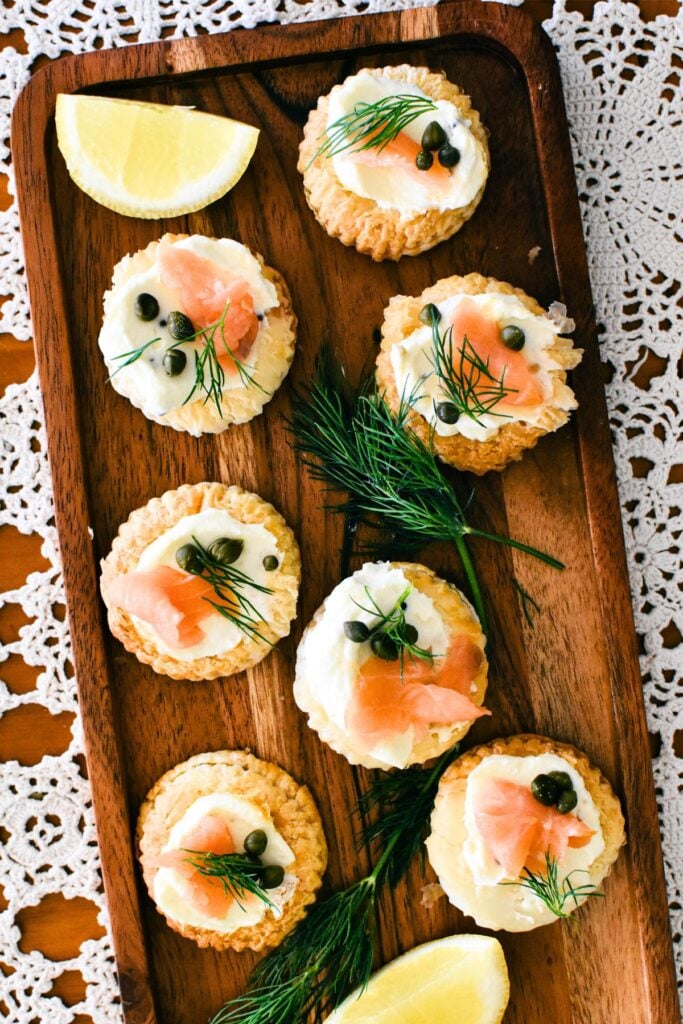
(513, 337)
(270, 563)
(188, 558)
(255, 843)
(226, 550)
(179, 326)
(146, 307)
(424, 160)
(545, 790)
(433, 136)
(357, 632)
(562, 779)
(430, 314)
(174, 362)
(449, 156)
(272, 876)
(384, 647)
(567, 801)
(407, 633)
(447, 413)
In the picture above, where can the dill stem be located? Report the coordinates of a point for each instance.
(475, 589)
(517, 544)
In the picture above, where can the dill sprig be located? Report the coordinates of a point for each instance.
(238, 875)
(229, 584)
(372, 125)
(554, 894)
(394, 625)
(209, 374)
(469, 386)
(330, 953)
(360, 446)
(527, 602)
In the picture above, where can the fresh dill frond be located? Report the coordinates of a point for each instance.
(372, 125)
(399, 804)
(527, 602)
(360, 446)
(552, 892)
(237, 874)
(394, 625)
(229, 585)
(464, 377)
(133, 356)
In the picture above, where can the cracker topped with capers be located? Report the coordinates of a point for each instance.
(198, 332)
(202, 582)
(481, 365)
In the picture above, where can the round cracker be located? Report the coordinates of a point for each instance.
(456, 610)
(294, 814)
(384, 234)
(402, 318)
(145, 524)
(453, 785)
(240, 404)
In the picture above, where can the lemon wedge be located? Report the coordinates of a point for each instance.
(150, 160)
(461, 978)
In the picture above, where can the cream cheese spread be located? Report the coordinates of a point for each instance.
(396, 188)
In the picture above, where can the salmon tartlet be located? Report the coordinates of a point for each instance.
(483, 367)
(392, 669)
(394, 160)
(232, 850)
(518, 818)
(198, 332)
(202, 582)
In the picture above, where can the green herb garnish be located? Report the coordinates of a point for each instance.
(554, 894)
(527, 602)
(331, 951)
(209, 374)
(372, 125)
(238, 875)
(393, 627)
(360, 446)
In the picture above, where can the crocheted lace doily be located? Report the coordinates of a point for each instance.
(622, 80)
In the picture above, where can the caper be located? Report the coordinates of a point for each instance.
(384, 647)
(226, 550)
(174, 362)
(179, 326)
(188, 559)
(567, 801)
(449, 156)
(407, 633)
(562, 779)
(255, 843)
(146, 307)
(430, 314)
(447, 412)
(272, 876)
(545, 790)
(270, 563)
(424, 160)
(513, 337)
(433, 136)
(355, 631)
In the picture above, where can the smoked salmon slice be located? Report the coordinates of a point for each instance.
(519, 831)
(207, 895)
(429, 693)
(401, 153)
(171, 601)
(484, 336)
(204, 289)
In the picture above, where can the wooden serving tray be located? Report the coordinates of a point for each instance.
(574, 676)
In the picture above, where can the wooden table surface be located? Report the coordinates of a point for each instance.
(57, 926)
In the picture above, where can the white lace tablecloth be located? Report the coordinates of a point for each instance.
(622, 82)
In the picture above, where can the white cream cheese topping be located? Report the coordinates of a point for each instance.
(471, 876)
(221, 635)
(329, 662)
(395, 188)
(241, 816)
(413, 366)
(145, 381)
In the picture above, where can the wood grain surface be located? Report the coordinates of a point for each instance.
(575, 676)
